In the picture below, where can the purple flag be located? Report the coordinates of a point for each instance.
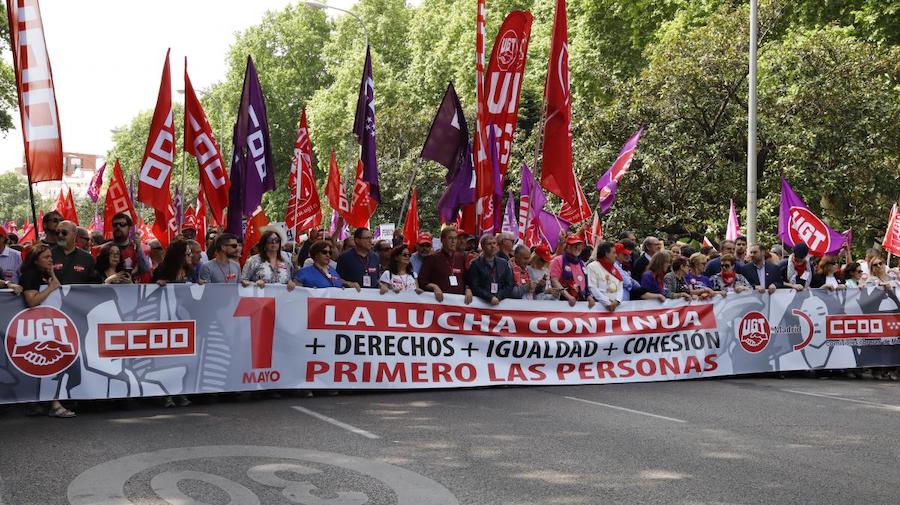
(336, 221)
(460, 190)
(796, 223)
(93, 190)
(530, 188)
(98, 221)
(449, 134)
(251, 164)
(178, 203)
(550, 226)
(609, 181)
(364, 128)
(510, 224)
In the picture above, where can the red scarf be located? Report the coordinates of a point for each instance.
(799, 267)
(610, 267)
(729, 277)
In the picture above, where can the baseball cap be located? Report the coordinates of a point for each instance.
(543, 252)
(621, 249)
(574, 239)
(424, 238)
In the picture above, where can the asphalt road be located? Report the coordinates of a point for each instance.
(724, 441)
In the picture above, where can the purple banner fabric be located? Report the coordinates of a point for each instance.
(796, 223)
(460, 190)
(609, 181)
(530, 188)
(93, 190)
(551, 226)
(364, 128)
(510, 223)
(449, 134)
(251, 169)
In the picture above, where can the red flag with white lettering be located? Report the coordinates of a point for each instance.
(37, 97)
(200, 142)
(334, 190)
(557, 175)
(363, 205)
(165, 225)
(304, 209)
(576, 213)
(411, 225)
(117, 200)
(156, 167)
(891, 241)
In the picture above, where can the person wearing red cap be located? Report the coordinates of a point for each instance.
(567, 273)
(445, 270)
(539, 271)
(423, 250)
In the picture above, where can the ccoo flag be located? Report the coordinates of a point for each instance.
(156, 167)
(304, 208)
(200, 142)
(796, 223)
(609, 181)
(891, 242)
(364, 129)
(251, 168)
(37, 97)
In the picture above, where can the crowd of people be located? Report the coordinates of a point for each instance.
(491, 268)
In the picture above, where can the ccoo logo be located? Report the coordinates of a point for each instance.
(41, 341)
(754, 332)
(806, 227)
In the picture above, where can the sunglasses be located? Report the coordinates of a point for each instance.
(62, 233)
(121, 224)
(877, 264)
(230, 245)
(273, 240)
(326, 252)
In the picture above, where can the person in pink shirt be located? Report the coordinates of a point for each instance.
(567, 273)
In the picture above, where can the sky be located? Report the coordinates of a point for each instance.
(107, 58)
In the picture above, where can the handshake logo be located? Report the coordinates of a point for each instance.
(41, 341)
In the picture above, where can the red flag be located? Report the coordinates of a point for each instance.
(156, 167)
(28, 233)
(334, 190)
(37, 97)
(304, 209)
(200, 220)
(594, 234)
(363, 205)
(578, 212)
(117, 200)
(707, 242)
(146, 231)
(165, 225)
(411, 225)
(252, 235)
(891, 241)
(200, 142)
(65, 205)
(557, 175)
(503, 86)
(190, 222)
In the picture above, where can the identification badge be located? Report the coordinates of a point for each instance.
(453, 281)
(494, 288)
(367, 281)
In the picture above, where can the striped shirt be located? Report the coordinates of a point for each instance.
(10, 264)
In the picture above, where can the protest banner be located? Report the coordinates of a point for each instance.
(90, 342)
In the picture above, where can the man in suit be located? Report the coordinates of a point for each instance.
(714, 266)
(651, 246)
(759, 272)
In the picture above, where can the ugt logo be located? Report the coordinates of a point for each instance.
(754, 332)
(41, 341)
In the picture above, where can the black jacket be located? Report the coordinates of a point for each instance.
(479, 277)
(773, 275)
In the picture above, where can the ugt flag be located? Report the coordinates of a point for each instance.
(796, 223)
(609, 181)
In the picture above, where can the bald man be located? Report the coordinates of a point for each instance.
(71, 264)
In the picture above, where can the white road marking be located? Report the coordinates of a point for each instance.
(894, 408)
(616, 407)
(339, 424)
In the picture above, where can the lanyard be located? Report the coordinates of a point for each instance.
(328, 277)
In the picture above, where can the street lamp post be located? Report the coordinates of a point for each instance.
(751, 131)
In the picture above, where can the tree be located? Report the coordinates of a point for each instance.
(8, 98)
(14, 201)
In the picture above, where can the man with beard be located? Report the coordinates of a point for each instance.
(71, 264)
(50, 222)
(133, 259)
(224, 267)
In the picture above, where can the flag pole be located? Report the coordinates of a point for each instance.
(412, 180)
(751, 131)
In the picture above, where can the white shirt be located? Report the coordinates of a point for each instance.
(404, 282)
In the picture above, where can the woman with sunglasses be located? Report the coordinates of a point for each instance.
(177, 266)
(269, 266)
(879, 275)
(399, 276)
(728, 280)
(853, 276)
(38, 282)
(109, 265)
(826, 274)
(321, 274)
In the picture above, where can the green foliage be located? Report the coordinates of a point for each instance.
(8, 98)
(828, 102)
(14, 202)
